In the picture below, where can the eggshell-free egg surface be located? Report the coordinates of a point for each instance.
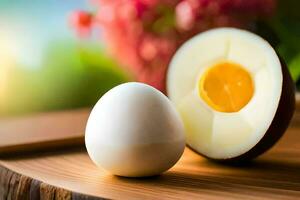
(134, 131)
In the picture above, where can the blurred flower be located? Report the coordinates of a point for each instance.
(144, 34)
(82, 22)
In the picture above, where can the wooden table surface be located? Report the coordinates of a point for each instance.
(70, 174)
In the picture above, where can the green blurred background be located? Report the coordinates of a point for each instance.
(283, 32)
(45, 66)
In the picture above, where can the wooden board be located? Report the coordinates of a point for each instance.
(42, 131)
(70, 174)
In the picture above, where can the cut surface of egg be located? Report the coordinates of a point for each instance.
(134, 130)
(234, 94)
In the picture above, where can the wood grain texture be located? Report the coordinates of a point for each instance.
(42, 131)
(70, 174)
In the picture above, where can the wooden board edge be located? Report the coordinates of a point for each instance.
(42, 146)
(16, 186)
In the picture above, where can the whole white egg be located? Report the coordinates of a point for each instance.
(134, 130)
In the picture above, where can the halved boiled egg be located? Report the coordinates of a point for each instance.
(234, 94)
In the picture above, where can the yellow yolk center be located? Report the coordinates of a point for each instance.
(226, 87)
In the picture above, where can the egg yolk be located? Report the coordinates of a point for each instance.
(226, 87)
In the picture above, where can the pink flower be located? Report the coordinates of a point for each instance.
(144, 34)
(185, 15)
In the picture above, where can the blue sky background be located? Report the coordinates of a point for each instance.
(28, 26)
(45, 16)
